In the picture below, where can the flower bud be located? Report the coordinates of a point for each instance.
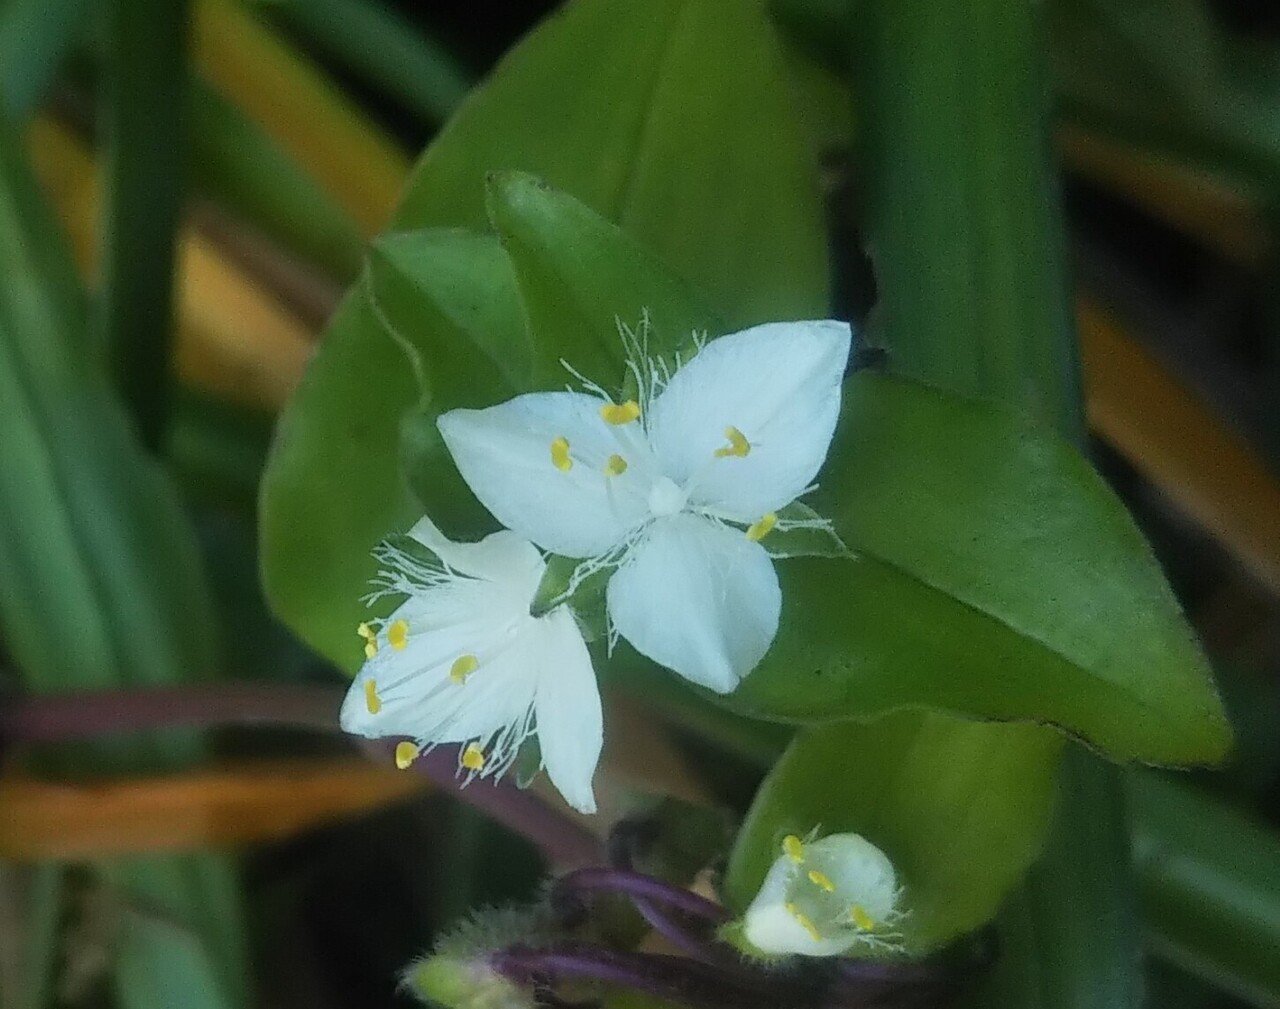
(460, 982)
(824, 898)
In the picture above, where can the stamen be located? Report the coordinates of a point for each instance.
(398, 635)
(406, 754)
(858, 915)
(793, 847)
(738, 444)
(804, 921)
(371, 699)
(761, 528)
(370, 640)
(463, 666)
(616, 465)
(821, 880)
(560, 454)
(620, 413)
(473, 757)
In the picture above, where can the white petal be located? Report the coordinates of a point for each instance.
(779, 385)
(860, 871)
(699, 598)
(505, 455)
(769, 926)
(417, 697)
(502, 557)
(570, 724)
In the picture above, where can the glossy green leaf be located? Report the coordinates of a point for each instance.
(996, 575)
(960, 808)
(580, 277)
(669, 117)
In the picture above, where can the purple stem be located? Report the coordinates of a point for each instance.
(673, 978)
(65, 718)
(625, 836)
(637, 884)
(647, 893)
(562, 840)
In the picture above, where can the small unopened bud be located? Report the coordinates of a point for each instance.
(458, 982)
(824, 898)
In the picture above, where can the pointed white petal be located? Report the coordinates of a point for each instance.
(699, 598)
(570, 724)
(505, 453)
(502, 557)
(779, 386)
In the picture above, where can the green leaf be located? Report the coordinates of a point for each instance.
(351, 438)
(1209, 881)
(996, 576)
(101, 583)
(960, 808)
(580, 277)
(669, 117)
(1170, 76)
(1069, 937)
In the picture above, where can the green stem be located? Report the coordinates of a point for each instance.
(145, 128)
(965, 229)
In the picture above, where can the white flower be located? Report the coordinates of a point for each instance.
(822, 898)
(664, 485)
(461, 660)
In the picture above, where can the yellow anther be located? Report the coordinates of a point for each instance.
(616, 465)
(620, 413)
(738, 444)
(406, 754)
(793, 848)
(473, 757)
(370, 640)
(371, 699)
(804, 921)
(398, 635)
(859, 916)
(560, 454)
(761, 528)
(821, 880)
(463, 666)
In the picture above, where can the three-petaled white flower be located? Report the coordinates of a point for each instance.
(824, 897)
(462, 660)
(663, 485)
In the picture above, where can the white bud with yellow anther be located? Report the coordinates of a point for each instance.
(824, 898)
(678, 488)
(462, 660)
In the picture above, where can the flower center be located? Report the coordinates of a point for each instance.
(666, 497)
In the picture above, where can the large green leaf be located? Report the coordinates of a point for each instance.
(671, 118)
(996, 575)
(100, 575)
(580, 277)
(960, 808)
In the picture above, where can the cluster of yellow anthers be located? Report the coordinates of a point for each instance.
(397, 635)
(620, 414)
(794, 849)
